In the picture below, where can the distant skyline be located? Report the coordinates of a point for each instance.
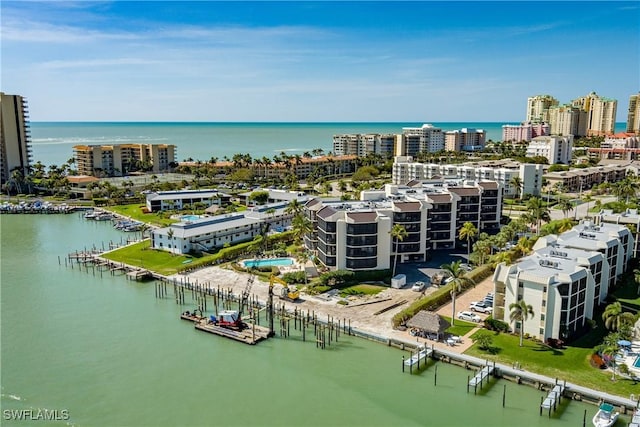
(314, 61)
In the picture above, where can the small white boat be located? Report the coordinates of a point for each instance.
(605, 417)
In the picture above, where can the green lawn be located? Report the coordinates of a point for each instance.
(461, 328)
(135, 212)
(141, 255)
(570, 364)
(362, 289)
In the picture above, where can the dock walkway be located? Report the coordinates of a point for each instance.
(482, 375)
(553, 398)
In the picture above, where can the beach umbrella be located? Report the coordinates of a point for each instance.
(624, 343)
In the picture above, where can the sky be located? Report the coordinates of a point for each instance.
(309, 61)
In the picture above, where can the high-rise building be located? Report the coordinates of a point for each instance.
(465, 139)
(363, 144)
(601, 113)
(15, 139)
(120, 159)
(557, 149)
(633, 118)
(538, 106)
(425, 139)
(568, 120)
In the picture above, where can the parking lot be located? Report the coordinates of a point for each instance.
(423, 271)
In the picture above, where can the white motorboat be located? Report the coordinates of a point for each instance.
(605, 417)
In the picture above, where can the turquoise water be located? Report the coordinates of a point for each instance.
(636, 363)
(189, 217)
(111, 354)
(267, 262)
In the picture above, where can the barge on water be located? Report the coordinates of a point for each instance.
(248, 333)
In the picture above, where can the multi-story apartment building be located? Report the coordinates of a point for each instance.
(214, 232)
(524, 131)
(15, 137)
(601, 113)
(575, 180)
(538, 106)
(633, 117)
(564, 280)
(363, 144)
(503, 172)
(621, 146)
(168, 200)
(557, 149)
(567, 120)
(465, 139)
(356, 234)
(425, 139)
(120, 159)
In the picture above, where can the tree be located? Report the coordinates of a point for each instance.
(398, 233)
(538, 211)
(294, 207)
(260, 197)
(467, 232)
(614, 318)
(301, 226)
(458, 280)
(566, 206)
(483, 340)
(519, 312)
(517, 183)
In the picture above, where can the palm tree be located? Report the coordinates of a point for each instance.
(614, 318)
(458, 280)
(398, 233)
(294, 207)
(517, 183)
(610, 347)
(538, 211)
(566, 206)
(467, 232)
(301, 226)
(520, 312)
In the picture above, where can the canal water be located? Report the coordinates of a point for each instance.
(108, 352)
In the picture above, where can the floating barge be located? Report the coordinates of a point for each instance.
(251, 334)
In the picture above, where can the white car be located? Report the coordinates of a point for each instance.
(418, 286)
(469, 316)
(481, 307)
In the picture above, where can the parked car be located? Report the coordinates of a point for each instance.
(418, 286)
(481, 307)
(466, 267)
(469, 316)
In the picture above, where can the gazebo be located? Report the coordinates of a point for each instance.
(429, 323)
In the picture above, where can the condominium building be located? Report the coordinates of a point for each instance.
(465, 139)
(213, 232)
(525, 131)
(556, 149)
(633, 117)
(564, 280)
(15, 137)
(530, 175)
(576, 180)
(538, 106)
(120, 159)
(363, 144)
(601, 113)
(568, 120)
(355, 235)
(168, 200)
(425, 139)
(620, 146)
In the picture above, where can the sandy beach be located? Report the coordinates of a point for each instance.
(360, 310)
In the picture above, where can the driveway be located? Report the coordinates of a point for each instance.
(423, 271)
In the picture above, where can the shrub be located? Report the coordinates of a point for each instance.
(597, 362)
(294, 277)
(484, 340)
(337, 278)
(496, 325)
(480, 273)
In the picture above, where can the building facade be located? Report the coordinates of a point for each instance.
(557, 149)
(565, 279)
(524, 131)
(425, 139)
(15, 137)
(576, 180)
(633, 116)
(363, 144)
(465, 139)
(567, 120)
(620, 146)
(538, 108)
(601, 113)
(355, 235)
(158, 201)
(121, 159)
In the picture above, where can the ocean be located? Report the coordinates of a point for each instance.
(53, 142)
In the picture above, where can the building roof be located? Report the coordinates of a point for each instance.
(488, 185)
(428, 321)
(439, 198)
(362, 217)
(185, 194)
(407, 206)
(465, 191)
(81, 179)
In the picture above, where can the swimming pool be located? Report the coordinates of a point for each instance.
(252, 263)
(189, 217)
(636, 363)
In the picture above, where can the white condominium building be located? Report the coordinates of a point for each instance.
(538, 106)
(425, 139)
(15, 137)
(564, 280)
(363, 144)
(503, 172)
(633, 117)
(557, 149)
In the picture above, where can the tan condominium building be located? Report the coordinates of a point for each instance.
(538, 108)
(425, 139)
(15, 139)
(122, 159)
(567, 120)
(465, 139)
(633, 118)
(601, 113)
(363, 144)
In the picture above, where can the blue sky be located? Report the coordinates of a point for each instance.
(314, 61)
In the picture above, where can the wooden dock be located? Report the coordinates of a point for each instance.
(252, 334)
